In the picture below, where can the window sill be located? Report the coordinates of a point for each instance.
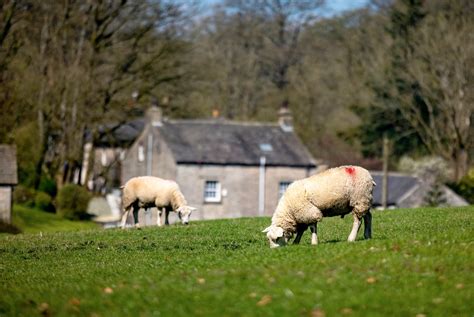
(210, 202)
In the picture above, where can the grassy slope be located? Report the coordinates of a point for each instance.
(419, 262)
(31, 220)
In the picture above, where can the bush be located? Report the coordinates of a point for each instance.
(9, 228)
(24, 196)
(48, 186)
(72, 201)
(465, 187)
(44, 202)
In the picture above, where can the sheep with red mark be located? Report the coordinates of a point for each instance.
(148, 192)
(334, 192)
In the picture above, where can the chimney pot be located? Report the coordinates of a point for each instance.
(155, 116)
(285, 118)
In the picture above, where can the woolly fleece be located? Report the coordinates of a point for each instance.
(336, 191)
(152, 191)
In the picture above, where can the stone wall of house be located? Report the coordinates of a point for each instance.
(239, 188)
(5, 204)
(135, 162)
(275, 175)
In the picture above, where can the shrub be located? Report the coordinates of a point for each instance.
(44, 202)
(24, 196)
(465, 187)
(72, 201)
(9, 228)
(48, 186)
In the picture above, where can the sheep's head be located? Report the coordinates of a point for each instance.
(184, 213)
(276, 236)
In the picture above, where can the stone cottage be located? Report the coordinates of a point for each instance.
(224, 168)
(8, 179)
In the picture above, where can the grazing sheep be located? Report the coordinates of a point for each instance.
(334, 192)
(149, 191)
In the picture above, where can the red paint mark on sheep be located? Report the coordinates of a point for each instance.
(350, 170)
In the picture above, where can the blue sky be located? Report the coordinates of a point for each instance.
(337, 6)
(332, 6)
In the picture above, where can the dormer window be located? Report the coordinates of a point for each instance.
(266, 147)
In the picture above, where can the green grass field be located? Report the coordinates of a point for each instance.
(30, 220)
(419, 262)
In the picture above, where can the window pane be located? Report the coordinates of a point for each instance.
(212, 191)
(282, 188)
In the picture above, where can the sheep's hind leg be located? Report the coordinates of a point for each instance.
(314, 233)
(368, 225)
(355, 228)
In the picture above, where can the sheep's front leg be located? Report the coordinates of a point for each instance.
(300, 229)
(135, 216)
(124, 218)
(158, 219)
(167, 213)
(314, 233)
(368, 225)
(355, 228)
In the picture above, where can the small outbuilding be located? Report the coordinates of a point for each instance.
(8, 179)
(407, 191)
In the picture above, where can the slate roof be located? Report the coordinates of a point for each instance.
(8, 166)
(398, 186)
(120, 135)
(222, 142)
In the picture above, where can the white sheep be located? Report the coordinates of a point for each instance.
(148, 191)
(334, 192)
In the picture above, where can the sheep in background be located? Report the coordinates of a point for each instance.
(149, 191)
(334, 192)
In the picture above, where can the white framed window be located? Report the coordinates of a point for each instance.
(141, 153)
(212, 191)
(282, 186)
(103, 158)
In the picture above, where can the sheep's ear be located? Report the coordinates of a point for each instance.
(192, 208)
(267, 229)
(278, 231)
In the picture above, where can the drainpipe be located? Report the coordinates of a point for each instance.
(149, 160)
(149, 164)
(385, 155)
(261, 187)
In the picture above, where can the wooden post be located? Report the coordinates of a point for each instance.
(385, 155)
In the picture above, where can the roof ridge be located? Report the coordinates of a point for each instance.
(393, 173)
(222, 121)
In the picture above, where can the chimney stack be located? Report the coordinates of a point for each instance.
(155, 115)
(285, 118)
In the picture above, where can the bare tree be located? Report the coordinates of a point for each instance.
(440, 68)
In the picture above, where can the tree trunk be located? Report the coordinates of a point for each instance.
(460, 162)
